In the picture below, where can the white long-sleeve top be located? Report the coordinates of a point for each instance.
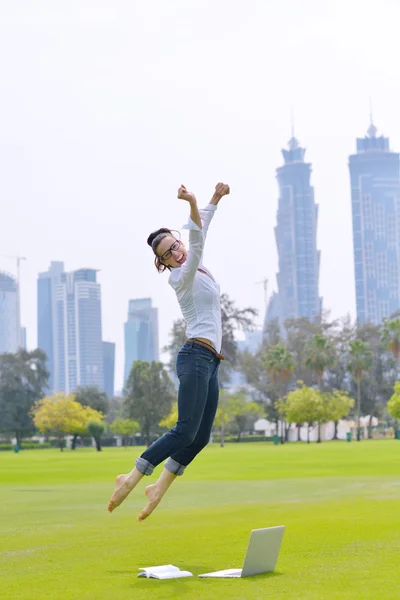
(198, 294)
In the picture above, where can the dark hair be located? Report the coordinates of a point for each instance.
(153, 241)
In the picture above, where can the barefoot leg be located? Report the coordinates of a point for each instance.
(155, 493)
(123, 486)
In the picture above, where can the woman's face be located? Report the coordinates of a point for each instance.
(171, 252)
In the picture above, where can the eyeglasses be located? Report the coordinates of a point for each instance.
(168, 253)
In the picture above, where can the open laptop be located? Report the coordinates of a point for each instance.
(261, 556)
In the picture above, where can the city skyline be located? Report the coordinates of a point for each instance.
(91, 163)
(370, 147)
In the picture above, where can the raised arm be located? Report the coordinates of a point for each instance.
(198, 226)
(207, 213)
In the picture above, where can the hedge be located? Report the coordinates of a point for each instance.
(26, 446)
(245, 438)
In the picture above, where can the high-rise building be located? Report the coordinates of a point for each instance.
(296, 240)
(9, 318)
(109, 368)
(141, 333)
(375, 195)
(69, 327)
(48, 334)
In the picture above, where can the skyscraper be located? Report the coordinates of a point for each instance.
(69, 327)
(109, 368)
(375, 195)
(48, 335)
(141, 333)
(296, 240)
(9, 319)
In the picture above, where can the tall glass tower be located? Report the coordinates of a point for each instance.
(296, 240)
(69, 327)
(141, 333)
(375, 195)
(9, 322)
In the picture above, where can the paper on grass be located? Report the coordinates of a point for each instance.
(163, 572)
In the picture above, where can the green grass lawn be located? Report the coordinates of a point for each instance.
(339, 502)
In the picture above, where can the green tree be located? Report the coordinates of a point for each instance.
(93, 397)
(279, 364)
(391, 339)
(149, 395)
(377, 383)
(337, 406)
(302, 405)
(320, 356)
(336, 378)
(96, 430)
(223, 416)
(360, 361)
(241, 412)
(170, 420)
(62, 415)
(125, 428)
(393, 406)
(23, 379)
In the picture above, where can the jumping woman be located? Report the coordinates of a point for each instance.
(197, 362)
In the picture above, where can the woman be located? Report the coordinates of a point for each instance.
(197, 362)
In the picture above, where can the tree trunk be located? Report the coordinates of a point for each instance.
(396, 428)
(74, 440)
(222, 435)
(335, 434)
(147, 437)
(308, 433)
(319, 433)
(98, 443)
(358, 409)
(61, 444)
(370, 428)
(283, 427)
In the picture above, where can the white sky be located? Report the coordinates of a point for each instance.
(106, 107)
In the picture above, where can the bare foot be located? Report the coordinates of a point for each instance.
(122, 490)
(154, 498)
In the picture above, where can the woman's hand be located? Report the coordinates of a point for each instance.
(222, 189)
(183, 194)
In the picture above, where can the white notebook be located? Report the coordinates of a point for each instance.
(163, 572)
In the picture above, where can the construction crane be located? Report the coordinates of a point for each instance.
(18, 260)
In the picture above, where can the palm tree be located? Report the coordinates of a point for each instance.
(320, 355)
(280, 364)
(391, 339)
(360, 360)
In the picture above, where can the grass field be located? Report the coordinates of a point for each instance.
(339, 502)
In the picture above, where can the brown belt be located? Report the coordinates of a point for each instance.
(208, 346)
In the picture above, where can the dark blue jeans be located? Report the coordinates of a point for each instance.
(197, 370)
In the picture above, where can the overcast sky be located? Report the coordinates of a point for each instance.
(108, 106)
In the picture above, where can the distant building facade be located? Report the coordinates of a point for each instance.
(9, 318)
(375, 199)
(296, 240)
(141, 333)
(69, 327)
